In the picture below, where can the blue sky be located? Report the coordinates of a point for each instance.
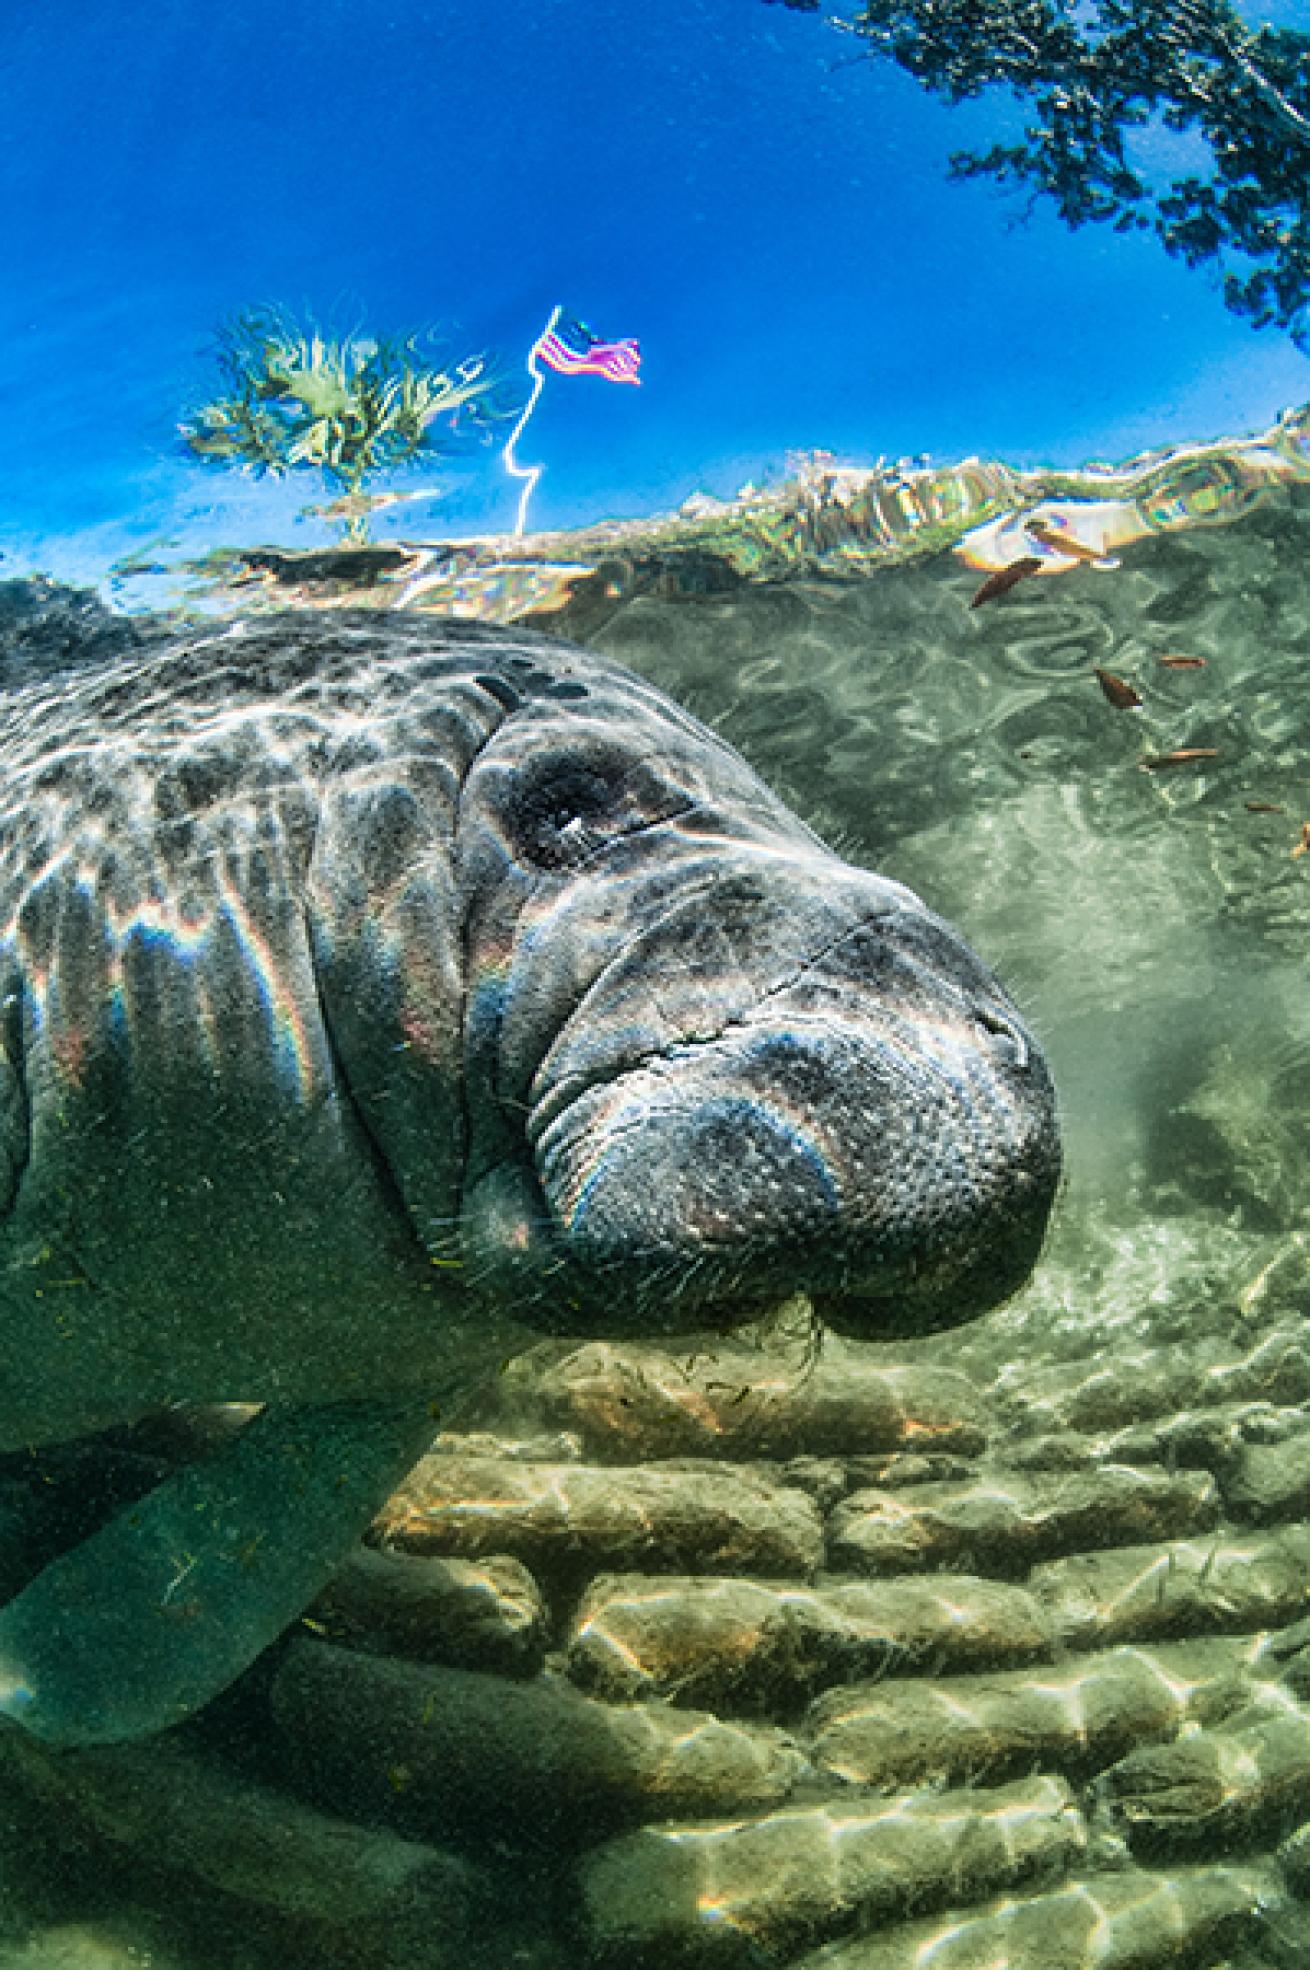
(716, 177)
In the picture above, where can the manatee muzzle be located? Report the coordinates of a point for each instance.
(795, 1080)
(900, 1169)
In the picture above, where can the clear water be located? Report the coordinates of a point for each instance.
(772, 219)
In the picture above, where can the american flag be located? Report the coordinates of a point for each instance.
(569, 346)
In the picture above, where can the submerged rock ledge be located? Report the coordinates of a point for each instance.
(746, 1769)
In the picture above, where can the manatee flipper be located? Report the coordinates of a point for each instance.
(166, 1605)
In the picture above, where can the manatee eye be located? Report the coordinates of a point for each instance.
(565, 809)
(580, 794)
(564, 812)
(1008, 1040)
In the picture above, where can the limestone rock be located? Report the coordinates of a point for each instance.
(744, 1646)
(746, 1892)
(1074, 1719)
(1204, 1439)
(473, 1614)
(1003, 1523)
(1129, 1921)
(898, 1470)
(1270, 1481)
(1195, 1587)
(559, 1447)
(1158, 1383)
(1055, 1450)
(1286, 1655)
(630, 1401)
(1215, 1787)
(824, 1479)
(1294, 1860)
(576, 1518)
(183, 1809)
(448, 1750)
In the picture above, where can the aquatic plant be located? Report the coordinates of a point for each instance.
(349, 406)
(1094, 76)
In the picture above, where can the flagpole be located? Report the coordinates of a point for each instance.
(529, 472)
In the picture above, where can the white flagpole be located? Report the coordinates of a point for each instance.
(529, 472)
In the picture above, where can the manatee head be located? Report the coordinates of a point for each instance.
(708, 1063)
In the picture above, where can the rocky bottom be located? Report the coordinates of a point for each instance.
(736, 1658)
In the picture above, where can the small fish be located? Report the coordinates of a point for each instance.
(1302, 846)
(1183, 663)
(1117, 689)
(1263, 807)
(1049, 535)
(1184, 756)
(1005, 578)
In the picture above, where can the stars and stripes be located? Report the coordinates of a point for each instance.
(569, 346)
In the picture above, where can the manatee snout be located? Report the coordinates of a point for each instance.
(870, 1122)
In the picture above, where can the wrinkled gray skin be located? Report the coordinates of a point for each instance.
(376, 991)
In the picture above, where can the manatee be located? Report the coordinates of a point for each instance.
(378, 993)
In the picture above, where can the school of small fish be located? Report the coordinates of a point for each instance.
(1118, 691)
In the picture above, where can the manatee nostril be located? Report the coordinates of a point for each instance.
(1013, 1046)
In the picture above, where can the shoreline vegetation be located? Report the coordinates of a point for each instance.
(823, 519)
(1167, 117)
(297, 398)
